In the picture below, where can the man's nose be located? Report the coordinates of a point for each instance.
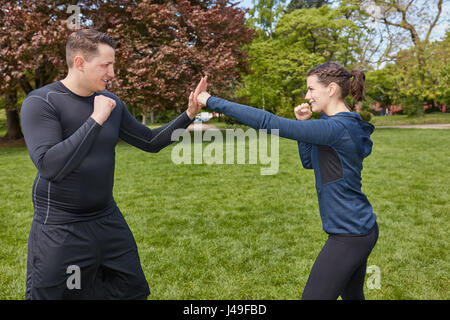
(111, 72)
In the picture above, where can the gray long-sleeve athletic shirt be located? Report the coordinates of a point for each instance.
(75, 156)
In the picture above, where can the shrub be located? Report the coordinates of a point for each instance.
(366, 115)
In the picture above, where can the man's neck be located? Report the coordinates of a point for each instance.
(74, 85)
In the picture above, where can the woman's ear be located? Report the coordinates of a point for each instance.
(332, 89)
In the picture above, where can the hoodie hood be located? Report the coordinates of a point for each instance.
(359, 130)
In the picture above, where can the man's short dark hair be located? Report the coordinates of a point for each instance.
(85, 42)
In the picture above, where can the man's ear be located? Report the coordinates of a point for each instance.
(78, 63)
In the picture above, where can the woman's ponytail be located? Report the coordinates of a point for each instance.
(357, 85)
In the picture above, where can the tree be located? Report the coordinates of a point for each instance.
(401, 83)
(302, 39)
(166, 46)
(32, 38)
(305, 4)
(416, 19)
(264, 15)
(163, 48)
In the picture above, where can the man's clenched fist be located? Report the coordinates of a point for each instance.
(103, 106)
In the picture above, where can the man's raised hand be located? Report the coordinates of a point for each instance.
(194, 107)
(201, 95)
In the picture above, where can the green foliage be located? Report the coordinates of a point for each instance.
(310, 33)
(302, 39)
(264, 14)
(315, 115)
(365, 115)
(302, 4)
(412, 105)
(406, 84)
(165, 116)
(380, 84)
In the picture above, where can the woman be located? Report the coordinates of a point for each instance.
(334, 146)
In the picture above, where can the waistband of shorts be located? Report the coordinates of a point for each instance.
(63, 217)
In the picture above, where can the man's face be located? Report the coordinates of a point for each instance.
(100, 69)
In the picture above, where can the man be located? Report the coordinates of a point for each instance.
(80, 246)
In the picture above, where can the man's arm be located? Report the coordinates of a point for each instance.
(54, 157)
(144, 138)
(154, 140)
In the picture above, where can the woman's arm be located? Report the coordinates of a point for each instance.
(304, 150)
(322, 132)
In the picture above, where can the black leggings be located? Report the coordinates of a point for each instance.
(340, 268)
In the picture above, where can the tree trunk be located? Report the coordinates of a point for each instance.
(12, 116)
(152, 117)
(144, 116)
(12, 120)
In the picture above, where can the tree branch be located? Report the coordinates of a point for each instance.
(433, 24)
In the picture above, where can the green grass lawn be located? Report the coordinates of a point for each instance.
(429, 118)
(226, 232)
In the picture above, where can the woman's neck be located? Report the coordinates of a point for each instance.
(335, 107)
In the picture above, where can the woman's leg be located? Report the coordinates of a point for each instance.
(340, 267)
(330, 272)
(355, 286)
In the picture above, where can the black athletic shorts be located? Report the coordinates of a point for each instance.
(96, 259)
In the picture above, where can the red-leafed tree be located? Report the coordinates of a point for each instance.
(163, 48)
(32, 39)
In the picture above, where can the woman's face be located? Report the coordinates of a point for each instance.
(318, 95)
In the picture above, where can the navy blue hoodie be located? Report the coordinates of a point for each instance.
(335, 147)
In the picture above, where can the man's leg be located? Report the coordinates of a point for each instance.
(120, 275)
(62, 262)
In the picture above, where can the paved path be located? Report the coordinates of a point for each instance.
(420, 126)
(206, 126)
(201, 126)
